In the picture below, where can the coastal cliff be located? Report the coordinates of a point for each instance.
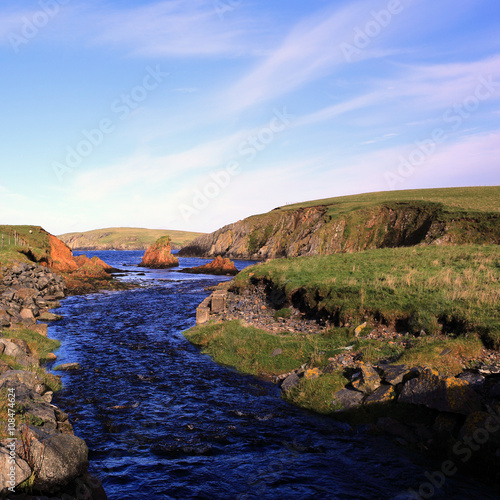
(159, 256)
(361, 222)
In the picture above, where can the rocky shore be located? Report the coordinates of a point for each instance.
(452, 417)
(39, 454)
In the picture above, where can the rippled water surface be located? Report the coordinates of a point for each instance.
(163, 421)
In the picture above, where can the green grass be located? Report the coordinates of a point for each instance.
(125, 238)
(38, 344)
(483, 199)
(33, 246)
(453, 288)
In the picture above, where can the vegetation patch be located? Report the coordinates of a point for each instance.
(38, 344)
(435, 289)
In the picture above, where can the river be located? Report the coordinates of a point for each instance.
(163, 421)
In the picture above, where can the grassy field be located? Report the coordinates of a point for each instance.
(481, 199)
(16, 241)
(125, 238)
(452, 289)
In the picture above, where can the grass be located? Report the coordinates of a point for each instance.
(477, 198)
(38, 344)
(32, 246)
(450, 289)
(125, 238)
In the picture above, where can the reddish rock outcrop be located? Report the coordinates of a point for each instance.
(219, 266)
(159, 256)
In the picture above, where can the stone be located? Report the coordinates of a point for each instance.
(368, 379)
(290, 382)
(312, 373)
(22, 470)
(383, 394)
(60, 458)
(276, 352)
(12, 349)
(202, 315)
(31, 380)
(218, 302)
(48, 316)
(441, 393)
(483, 426)
(475, 380)
(395, 428)
(159, 256)
(359, 328)
(394, 374)
(40, 328)
(219, 266)
(347, 398)
(446, 424)
(68, 366)
(494, 391)
(51, 356)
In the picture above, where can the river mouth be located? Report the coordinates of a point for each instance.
(163, 421)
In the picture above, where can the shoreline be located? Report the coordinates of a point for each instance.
(39, 453)
(439, 414)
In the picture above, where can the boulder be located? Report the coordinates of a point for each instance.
(367, 379)
(276, 352)
(22, 471)
(290, 382)
(381, 395)
(347, 398)
(219, 266)
(20, 377)
(393, 374)
(68, 366)
(441, 393)
(48, 316)
(159, 256)
(40, 328)
(312, 373)
(59, 458)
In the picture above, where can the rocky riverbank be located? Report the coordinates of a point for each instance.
(452, 416)
(39, 454)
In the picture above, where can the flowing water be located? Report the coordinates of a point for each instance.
(163, 421)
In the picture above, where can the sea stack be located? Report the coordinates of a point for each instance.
(159, 256)
(219, 266)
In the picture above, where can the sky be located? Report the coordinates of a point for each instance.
(190, 114)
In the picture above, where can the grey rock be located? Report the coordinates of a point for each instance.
(21, 473)
(68, 366)
(348, 398)
(276, 352)
(290, 382)
(29, 379)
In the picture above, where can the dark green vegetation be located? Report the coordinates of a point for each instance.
(361, 222)
(453, 289)
(20, 245)
(124, 238)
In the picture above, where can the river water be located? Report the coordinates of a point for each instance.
(163, 421)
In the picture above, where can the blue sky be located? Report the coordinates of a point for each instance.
(193, 114)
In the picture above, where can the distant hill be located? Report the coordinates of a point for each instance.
(124, 238)
(360, 222)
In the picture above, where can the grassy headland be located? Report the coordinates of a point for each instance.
(124, 238)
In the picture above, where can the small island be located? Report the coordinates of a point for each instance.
(220, 266)
(159, 255)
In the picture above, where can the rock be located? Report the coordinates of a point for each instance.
(60, 458)
(48, 316)
(347, 398)
(446, 424)
(381, 395)
(12, 349)
(67, 366)
(394, 374)
(276, 352)
(4, 319)
(393, 427)
(21, 471)
(40, 328)
(51, 356)
(481, 427)
(219, 266)
(359, 328)
(15, 377)
(290, 382)
(475, 380)
(312, 373)
(368, 379)
(441, 393)
(159, 256)
(494, 391)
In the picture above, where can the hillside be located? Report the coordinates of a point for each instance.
(360, 222)
(124, 238)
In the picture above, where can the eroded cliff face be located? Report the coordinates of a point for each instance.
(315, 231)
(159, 256)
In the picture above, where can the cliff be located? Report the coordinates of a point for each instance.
(158, 255)
(360, 222)
(124, 238)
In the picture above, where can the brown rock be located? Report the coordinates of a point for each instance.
(159, 256)
(219, 266)
(368, 379)
(441, 393)
(312, 373)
